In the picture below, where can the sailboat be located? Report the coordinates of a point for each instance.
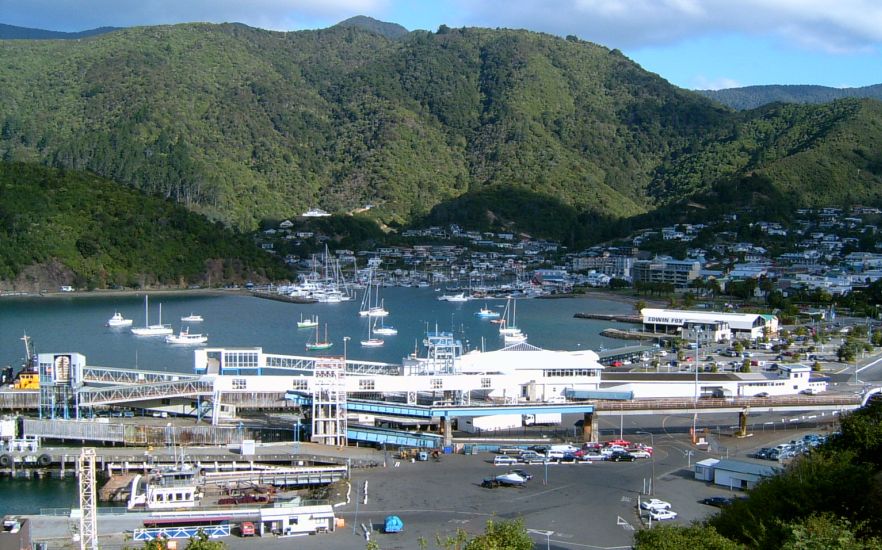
(318, 345)
(375, 310)
(308, 322)
(152, 330)
(385, 330)
(509, 328)
(371, 342)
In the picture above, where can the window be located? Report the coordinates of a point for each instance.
(300, 384)
(437, 383)
(485, 383)
(366, 384)
(240, 383)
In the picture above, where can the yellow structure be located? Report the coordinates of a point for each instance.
(27, 381)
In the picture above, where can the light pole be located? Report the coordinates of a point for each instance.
(345, 341)
(652, 458)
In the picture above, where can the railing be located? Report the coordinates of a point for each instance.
(107, 375)
(716, 403)
(19, 400)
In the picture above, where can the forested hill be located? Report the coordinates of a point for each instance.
(243, 124)
(751, 97)
(11, 32)
(64, 227)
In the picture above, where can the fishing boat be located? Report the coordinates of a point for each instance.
(461, 297)
(192, 318)
(514, 338)
(152, 330)
(184, 337)
(118, 321)
(318, 345)
(487, 313)
(371, 342)
(307, 322)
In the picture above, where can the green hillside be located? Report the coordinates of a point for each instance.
(65, 227)
(242, 124)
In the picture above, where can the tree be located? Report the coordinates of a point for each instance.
(639, 305)
(745, 365)
(502, 535)
(825, 532)
(675, 537)
(201, 542)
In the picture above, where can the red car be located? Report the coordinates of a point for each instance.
(620, 442)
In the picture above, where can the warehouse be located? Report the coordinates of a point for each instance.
(709, 325)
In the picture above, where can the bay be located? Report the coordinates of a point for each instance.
(76, 324)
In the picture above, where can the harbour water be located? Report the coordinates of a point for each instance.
(76, 324)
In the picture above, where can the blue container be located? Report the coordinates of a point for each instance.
(448, 450)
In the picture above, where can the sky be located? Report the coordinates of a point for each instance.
(691, 43)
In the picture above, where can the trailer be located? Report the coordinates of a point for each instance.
(477, 424)
(542, 419)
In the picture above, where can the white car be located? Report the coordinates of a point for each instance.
(655, 505)
(659, 515)
(504, 460)
(640, 453)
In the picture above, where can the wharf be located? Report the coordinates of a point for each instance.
(636, 319)
(628, 335)
(284, 298)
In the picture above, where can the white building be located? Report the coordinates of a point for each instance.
(741, 325)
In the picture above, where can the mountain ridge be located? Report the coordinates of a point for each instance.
(13, 32)
(751, 97)
(242, 124)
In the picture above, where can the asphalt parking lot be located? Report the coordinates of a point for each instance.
(582, 506)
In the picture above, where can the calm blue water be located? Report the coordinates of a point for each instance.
(76, 324)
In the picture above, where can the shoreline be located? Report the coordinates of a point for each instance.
(126, 293)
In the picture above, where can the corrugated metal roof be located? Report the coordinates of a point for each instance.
(752, 468)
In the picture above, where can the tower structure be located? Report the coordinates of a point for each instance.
(329, 402)
(89, 514)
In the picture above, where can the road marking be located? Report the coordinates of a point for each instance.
(542, 493)
(626, 499)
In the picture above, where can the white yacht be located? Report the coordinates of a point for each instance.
(308, 322)
(152, 330)
(192, 318)
(118, 321)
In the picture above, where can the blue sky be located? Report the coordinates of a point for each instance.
(691, 43)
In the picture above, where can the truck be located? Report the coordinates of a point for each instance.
(542, 419)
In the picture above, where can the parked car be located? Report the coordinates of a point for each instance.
(640, 453)
(718, 502)
(621, 456)
(523, 473)
(762, 394)
(655, 504)
(661, 515)
(762, 453)
(504, 460)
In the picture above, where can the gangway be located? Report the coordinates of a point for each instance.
(121, 377)
(92, 397)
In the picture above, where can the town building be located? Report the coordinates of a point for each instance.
(690, 324)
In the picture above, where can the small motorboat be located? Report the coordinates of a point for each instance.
(192, 318)
(185, 338)
(118, 321)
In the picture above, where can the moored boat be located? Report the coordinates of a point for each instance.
(186, 338)
(152, 330)
(118, 321)
(318, 345)
(192, 318)
(308, 322)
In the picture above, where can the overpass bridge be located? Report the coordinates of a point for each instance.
(785, 403)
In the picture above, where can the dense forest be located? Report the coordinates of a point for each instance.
(493, 128)
(66, 227)
(751, 97)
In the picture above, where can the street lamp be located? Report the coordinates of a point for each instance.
(652, 458)
(345, 340)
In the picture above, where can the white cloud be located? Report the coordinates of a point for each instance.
(834, 26)
(701, 82)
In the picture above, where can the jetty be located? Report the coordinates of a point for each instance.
(636, 319)
(284, 298)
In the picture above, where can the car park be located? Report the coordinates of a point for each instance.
(661, 515)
